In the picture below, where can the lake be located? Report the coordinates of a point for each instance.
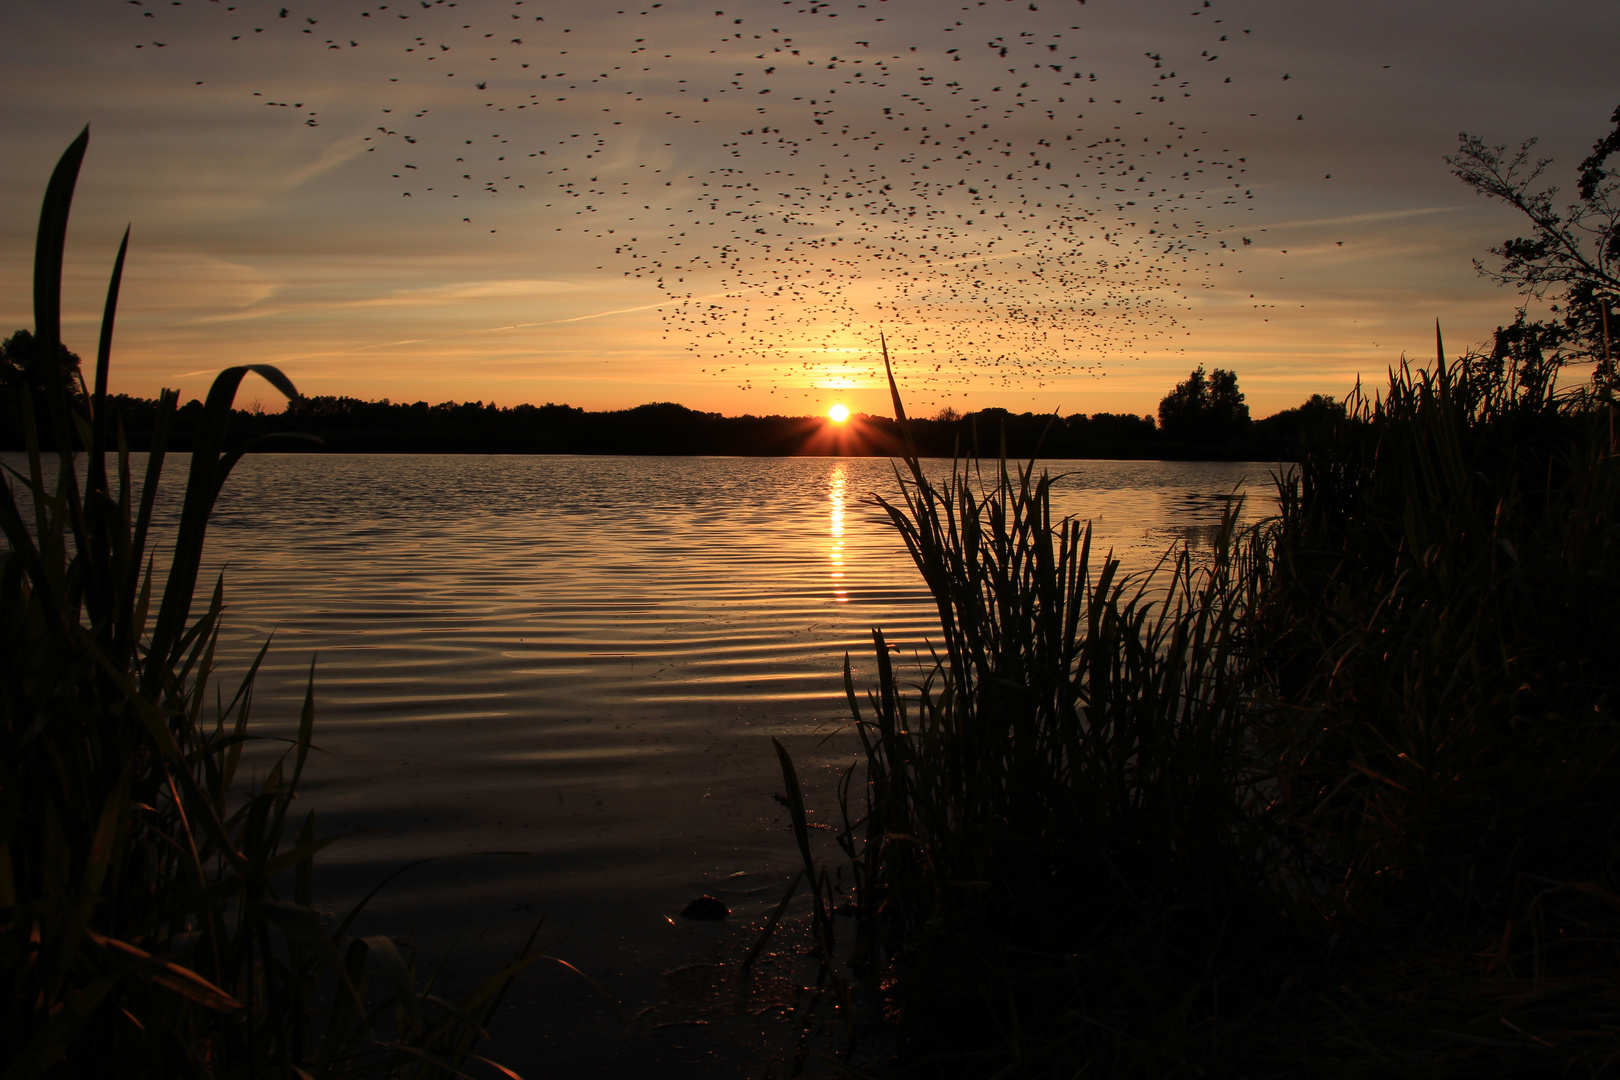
(557, 676)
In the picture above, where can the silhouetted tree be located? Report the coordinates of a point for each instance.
(1289, 434)
(22, 364)
(1572, 256)
(1108, 432)
(23, 371)
(1204, 409)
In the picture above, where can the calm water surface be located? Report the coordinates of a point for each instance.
(527, 650)
(580, 659)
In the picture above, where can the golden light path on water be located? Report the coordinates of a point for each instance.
(837, 481)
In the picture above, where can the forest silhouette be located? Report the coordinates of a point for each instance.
(351, 425)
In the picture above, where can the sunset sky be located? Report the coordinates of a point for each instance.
(1042, 204)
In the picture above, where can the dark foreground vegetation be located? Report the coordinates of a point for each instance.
(156, 912)
(1342, 801)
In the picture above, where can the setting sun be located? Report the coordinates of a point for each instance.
(838, 413)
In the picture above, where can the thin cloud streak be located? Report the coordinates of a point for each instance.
(1357, 219)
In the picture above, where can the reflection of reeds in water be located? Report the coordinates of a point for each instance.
(155, 920)
(1340, 798)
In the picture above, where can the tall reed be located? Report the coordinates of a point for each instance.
(1341, 799)
(1444, 670)
(1445, 607)
(155, 912)
(1056, 813)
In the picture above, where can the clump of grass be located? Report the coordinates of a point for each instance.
(155, 913)
(1345, 799)
(1444, 612)
(1443, 665)
(1056, 820)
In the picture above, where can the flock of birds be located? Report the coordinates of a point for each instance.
(796, 175)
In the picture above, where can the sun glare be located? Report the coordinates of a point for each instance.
(838, 413)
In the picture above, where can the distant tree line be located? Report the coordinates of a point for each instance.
(1203, 417)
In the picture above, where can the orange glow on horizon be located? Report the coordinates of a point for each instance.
(838, 413)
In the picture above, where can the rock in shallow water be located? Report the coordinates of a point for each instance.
(706, 909)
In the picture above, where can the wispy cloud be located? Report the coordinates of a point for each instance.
(439, 296)
(333, 155)
(1350, 219)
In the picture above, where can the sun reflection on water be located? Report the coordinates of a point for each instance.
(837, 482)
